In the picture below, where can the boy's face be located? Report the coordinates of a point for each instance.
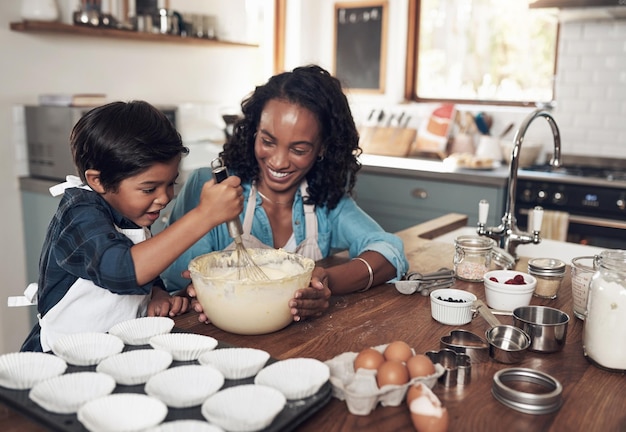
(140, 198)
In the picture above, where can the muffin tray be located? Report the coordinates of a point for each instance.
(293, 414)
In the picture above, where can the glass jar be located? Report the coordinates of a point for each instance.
(604, 330)
(582, 270)
(472, 257)
(549, 273)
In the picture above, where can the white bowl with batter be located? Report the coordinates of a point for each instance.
(247, 305)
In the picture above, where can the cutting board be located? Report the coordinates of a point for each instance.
(387, 141)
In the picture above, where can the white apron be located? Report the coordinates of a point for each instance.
(308, 248)
(87, 307)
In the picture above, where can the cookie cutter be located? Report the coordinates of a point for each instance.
(425, 283)
(530, 403)
(457, 367)
(468, 343)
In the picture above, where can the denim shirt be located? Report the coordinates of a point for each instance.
(346, 227)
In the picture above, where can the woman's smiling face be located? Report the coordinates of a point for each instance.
(286, 147)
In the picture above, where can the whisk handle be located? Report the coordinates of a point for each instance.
(220, 173)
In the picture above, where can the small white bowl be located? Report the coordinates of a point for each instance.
(236, 363)
(185, 386)
(244, 408)
(65, 394)
(87, 349)
(507, 297)
(183, 346)
(22, 370)
(296, 378)
(135, 367)
(122, 412)
(138, 331)
(451, 306)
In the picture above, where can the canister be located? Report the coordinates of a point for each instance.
(604, 329)
(582, 270)
(472, 257)
(549, 273)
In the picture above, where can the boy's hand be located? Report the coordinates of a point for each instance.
(162, 304)
(223, 201)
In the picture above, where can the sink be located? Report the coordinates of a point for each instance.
(546, 249)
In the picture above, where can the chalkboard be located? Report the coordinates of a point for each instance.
(360, 44)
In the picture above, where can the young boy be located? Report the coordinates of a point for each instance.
(99, 264)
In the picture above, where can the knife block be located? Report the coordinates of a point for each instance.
(387, 141)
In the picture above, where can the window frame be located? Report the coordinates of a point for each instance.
(412, 61)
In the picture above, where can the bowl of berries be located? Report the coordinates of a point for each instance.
(508, 289)
(451, 306)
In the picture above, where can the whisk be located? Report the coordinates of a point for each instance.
(246, 267)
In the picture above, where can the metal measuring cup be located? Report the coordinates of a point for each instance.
(507, 343)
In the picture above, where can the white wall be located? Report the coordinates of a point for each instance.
(590, 82)
(159, 73)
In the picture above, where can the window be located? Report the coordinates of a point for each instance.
(481, 51)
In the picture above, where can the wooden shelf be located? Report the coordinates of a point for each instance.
(79, 30)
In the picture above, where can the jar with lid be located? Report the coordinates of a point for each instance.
(476, 255)
(549, 273)
(604, 329)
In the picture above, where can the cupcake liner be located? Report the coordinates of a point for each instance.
(23, 370)
(295, 378)
(135, 367)
(185, 386)
(138, 331)
(87, 349)
(236, 363)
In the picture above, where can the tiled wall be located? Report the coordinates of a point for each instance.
(591, 88)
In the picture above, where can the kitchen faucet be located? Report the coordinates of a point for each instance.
(507, 234)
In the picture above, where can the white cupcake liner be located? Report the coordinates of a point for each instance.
(295, 378)
(244, 408)
(127, 412)
(22, 370)
(138, 331)
(87, 349)
(65, 394)
(187, 426)
(185, 386)
(236, 363)
(135, 367)
(183, 346)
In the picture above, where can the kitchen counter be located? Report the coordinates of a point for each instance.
(593, 399)
(410, 167)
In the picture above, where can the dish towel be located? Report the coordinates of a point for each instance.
(554, 225)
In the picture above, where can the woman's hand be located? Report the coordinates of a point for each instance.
(312, 300)
(195, 304)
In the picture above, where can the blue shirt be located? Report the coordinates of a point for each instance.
(346, 227)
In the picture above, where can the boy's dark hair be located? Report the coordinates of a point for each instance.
(123, 139)
(318, 91)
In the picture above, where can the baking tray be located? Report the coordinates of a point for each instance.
(293, 415)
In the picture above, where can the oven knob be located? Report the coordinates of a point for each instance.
(621, 204)
(527, 195)
(558, 198)
(541, 195)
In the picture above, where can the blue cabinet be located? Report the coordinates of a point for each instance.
(399, 202)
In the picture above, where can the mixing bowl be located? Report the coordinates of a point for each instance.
(246, 305)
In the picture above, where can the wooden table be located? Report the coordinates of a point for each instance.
(594, 400)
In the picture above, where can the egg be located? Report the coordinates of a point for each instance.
(369, 358)
(398, 350)
(419, 366)
(427, 413)
(392, 372)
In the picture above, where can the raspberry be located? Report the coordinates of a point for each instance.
(493, 279)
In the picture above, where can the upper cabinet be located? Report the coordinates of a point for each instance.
(79, 30)
(571, 3)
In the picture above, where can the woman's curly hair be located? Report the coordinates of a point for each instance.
(315, 89)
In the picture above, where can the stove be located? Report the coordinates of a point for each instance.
(591, 190)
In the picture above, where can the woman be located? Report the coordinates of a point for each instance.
(295, 150)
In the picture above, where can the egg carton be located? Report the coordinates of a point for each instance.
(360, 390)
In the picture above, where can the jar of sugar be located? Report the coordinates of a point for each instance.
(604, 329)
(475, 255)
